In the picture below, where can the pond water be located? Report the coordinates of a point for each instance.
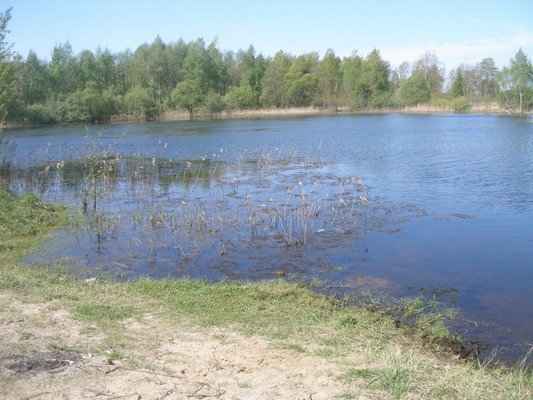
(432, 205)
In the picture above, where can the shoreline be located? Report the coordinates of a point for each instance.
(169, 116)
(420, 109)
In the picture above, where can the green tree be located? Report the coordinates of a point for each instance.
(251, 69)
(432, 70)
(302, 90)
(460, 105)
(139, 103)
(198, 67)
(188, 95)
(415, 90)
(273, 88)
(399, 75)
(458, 85)
(97, 105)
(470, 80)
(63, 72)
(516, 83)
(301, 81)
(176, 54)
(32, 80)
(14, 99)
(351, 74)
(87, 69)
(361, 94)
(366, 81)
(5, 56)
(214, 103)
(375, 74)
(486, 73)
(242, 97)
(329, 78)
(105, 69)
(247, 78)
(219, 72)
(150, 69)
(122, 71)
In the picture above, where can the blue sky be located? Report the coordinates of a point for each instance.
(460, 31)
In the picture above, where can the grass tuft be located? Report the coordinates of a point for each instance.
(97, 312)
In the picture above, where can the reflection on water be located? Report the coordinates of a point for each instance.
(403, 204)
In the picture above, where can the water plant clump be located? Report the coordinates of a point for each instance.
(248, 217)
(218, 218)
(98, 163)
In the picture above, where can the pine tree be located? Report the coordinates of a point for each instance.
(458, 85)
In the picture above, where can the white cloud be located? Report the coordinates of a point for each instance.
(469, 52)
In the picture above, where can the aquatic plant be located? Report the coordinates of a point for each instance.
(196, 208)
(99, 164)
(7, 149)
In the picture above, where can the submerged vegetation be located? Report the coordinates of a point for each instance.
(200, 213)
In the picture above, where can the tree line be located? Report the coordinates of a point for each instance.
(200, 78)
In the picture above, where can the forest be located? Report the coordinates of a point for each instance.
(198, 78)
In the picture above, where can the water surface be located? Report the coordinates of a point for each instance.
(399, 203)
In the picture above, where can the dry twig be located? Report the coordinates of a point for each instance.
(197, 395)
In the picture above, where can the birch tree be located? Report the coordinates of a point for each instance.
(516, 83)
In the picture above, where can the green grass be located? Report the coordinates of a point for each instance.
(102, 313)
(22, 219)
(371, 352)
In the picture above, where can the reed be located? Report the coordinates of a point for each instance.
(7, 150)
(99, 163)
(174, 234)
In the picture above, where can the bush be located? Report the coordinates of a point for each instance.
(242, 98)
(460, 105)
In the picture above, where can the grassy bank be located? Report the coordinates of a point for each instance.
(367, 354)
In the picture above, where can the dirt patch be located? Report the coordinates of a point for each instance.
(46, 354)
(39, 362)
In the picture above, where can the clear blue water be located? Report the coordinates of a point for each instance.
(407, 204)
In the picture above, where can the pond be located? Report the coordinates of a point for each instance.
(439, 206)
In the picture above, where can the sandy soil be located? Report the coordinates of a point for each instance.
(45, 354)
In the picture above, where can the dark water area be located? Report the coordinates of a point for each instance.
(432, 205)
